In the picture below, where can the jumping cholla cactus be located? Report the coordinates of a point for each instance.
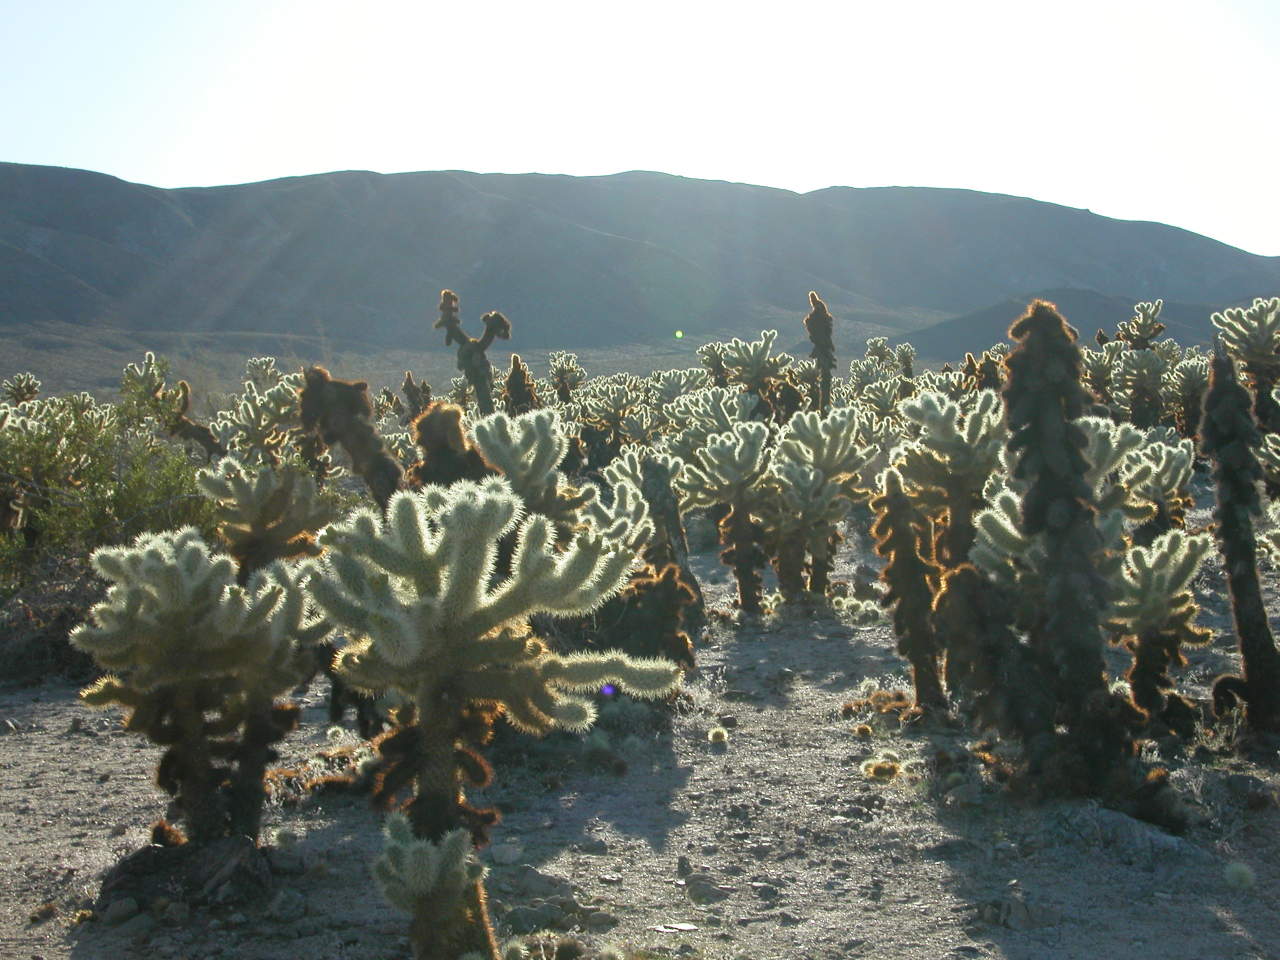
(21, 388)
(1136, 387)
(819, 324)
(1229, 436)
(947, 466)
(1141, 330)
(471, 350)
(429, 880)
(702, 415)
(272, 515)
(1184, 389)
(814, 476)
(415, 591)
(1098, 368)
(728, 472)
(262, 422)
(192, 652)
(754, 365)
(144, 392)
(262, 372)
(527, 450)
(1154, 613)
(1252, 336)
(566, 373)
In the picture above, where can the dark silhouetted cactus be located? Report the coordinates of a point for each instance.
(820, 326)
(340, 411)
(519, 394)
(1228, 436)
(447, 453)
(900, 532)
(472, 361)
(1043, 395)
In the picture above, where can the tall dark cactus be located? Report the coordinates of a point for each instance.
(1228, 435)
(1043, 396)
(900, 531)
(819, 326)
(471, 350)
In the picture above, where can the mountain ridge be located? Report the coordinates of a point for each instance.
(359, 258)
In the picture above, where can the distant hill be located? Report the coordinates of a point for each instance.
(1087, 310)
(356, 260)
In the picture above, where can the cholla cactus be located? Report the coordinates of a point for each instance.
(1141, 330)
(21, 388)
(193, 651)
(815, 476)
(1098, 369)
(417, 394)
(527, 450)
(728, 472)
(1154, 613)
(1043, 400)
(415, 589)
(519, 393)
(702, 415)
(1229, 435)
(144, 392)
(948, 465)
(1184, 388)
(820, 325)
(340, 411)
(668, 385)
(753, 364)
(471, 351)
(566, 374)
(262, 372)
(429, 881)
(264, 517)
(261, 423)
(983, 374)
(901, 531)
(1136, 387)
(1252, 336)
(1166, 487)
(604, 408)
(712, 356)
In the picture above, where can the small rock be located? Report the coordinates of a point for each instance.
(702, 888)
(683, 866)
(1252, 790)
(592, 845)
(610, 878)
(506, 853)
(286, 863)
(139, 927)
(710, 848)
(176, 913)
(529, 918)
(599, 920)
(118, 911)
(287, 906)
(8, 727)
(728, 721)
(119, 830)
(965, 795)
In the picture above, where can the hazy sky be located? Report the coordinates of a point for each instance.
(1163, 110)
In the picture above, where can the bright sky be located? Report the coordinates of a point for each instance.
(1165, 110)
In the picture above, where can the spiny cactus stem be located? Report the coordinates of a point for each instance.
(739, 534)
(197, 780)
(434, 813)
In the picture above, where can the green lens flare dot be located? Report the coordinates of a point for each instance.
(679, 334)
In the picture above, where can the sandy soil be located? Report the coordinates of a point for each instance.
(776, 845)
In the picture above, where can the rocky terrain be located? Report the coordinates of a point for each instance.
(647, 836)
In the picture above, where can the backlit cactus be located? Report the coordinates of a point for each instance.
(415, 590)
(191, 651)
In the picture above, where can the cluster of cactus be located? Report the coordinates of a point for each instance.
(1029, 507)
